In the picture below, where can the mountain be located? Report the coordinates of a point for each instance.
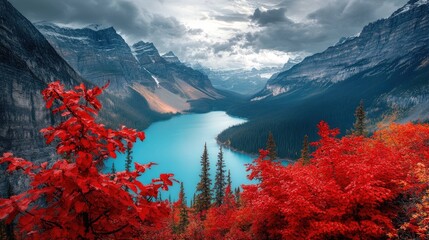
(179, 87)
(243, 81)
(27, 64)
(387, 66)
(100, 54)
(171, 57)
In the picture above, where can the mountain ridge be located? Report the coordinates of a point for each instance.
(101, 54)
(384, 65)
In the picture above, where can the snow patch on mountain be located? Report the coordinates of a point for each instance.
(277, 90)
(61, 36)
(410, 6)
(153, 77)
(259, 98)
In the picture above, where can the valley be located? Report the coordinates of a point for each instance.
(238, 120)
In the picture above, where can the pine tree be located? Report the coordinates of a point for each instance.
(305, 152)
(271, 147)
(203, 200)
(183, 214)
(128, 160)
(359, 125)
(182, 197)
(220, 184)
(228, 179)
(113, 171)
(193, 201)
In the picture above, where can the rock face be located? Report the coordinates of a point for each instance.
(387, 66)
(404, 35)
(171, 57)
(98, 53)
(27, 63)
(178, 87)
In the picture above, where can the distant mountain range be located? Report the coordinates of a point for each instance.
(386, 66)
(246, 82)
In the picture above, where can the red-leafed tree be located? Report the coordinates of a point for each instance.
(355, 187)
(221, 218)
(72, 199)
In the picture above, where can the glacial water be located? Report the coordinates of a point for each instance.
(176, 145)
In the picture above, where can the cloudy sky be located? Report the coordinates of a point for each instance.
(221, 34)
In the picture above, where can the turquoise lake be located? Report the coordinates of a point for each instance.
(176, 145)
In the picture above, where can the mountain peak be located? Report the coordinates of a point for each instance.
(146, 52)
(410, 5)
(98, 27)
(142, 46)
(170, 54)
(171, 57)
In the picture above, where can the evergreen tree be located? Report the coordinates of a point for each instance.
(113, 171)
(305, 152)
(128, 159)
(182, 198)
(183, 214)
(220, 184)
(228, 179)
(359, 125)
(271, 147)
(203, 200)
(193, 201)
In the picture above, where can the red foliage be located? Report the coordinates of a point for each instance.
(72, 197)
(219, 219)
(353, 187)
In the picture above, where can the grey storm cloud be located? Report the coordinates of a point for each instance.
(272, 16)
(227, 46)
(291, 26)
(125, 16)
(321, 28)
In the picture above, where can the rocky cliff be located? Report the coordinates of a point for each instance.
(27, 63)
(98, 53)
(179, 88)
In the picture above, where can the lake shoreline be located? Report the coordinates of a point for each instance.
(227, 146)
(176, 146)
